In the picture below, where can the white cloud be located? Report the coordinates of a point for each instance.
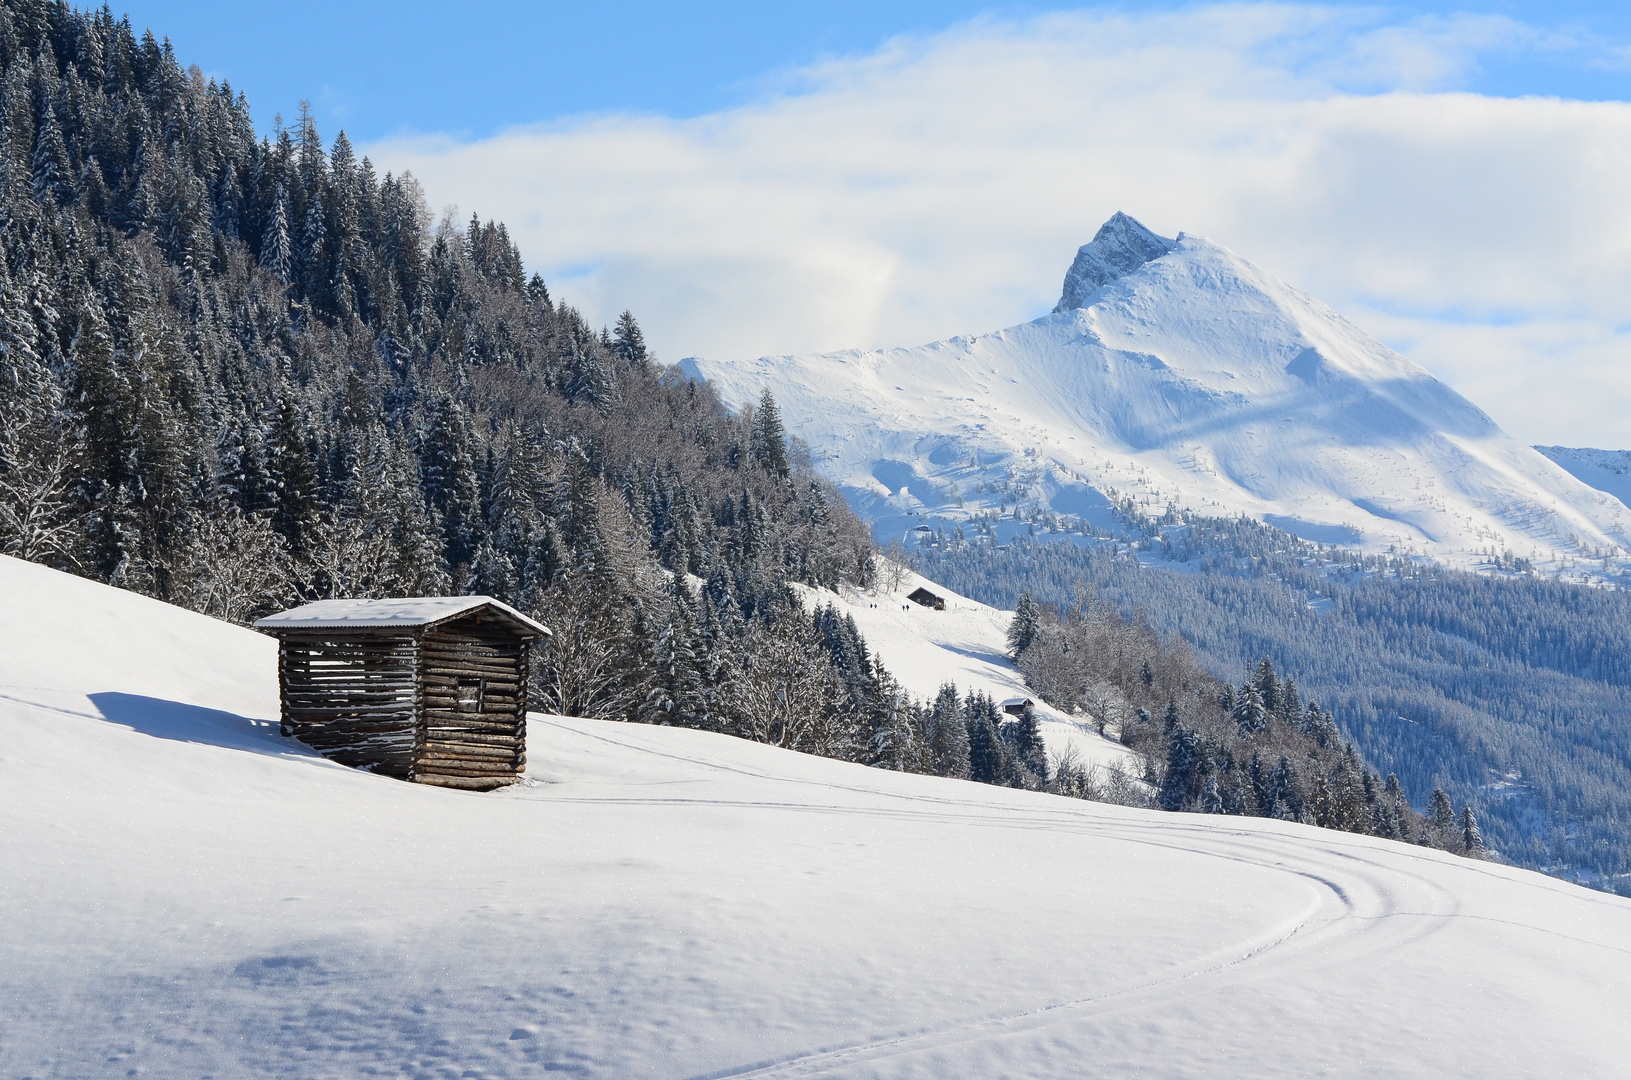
(941, 186)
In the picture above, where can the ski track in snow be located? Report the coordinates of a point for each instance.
(1361, 910)
(184, 894)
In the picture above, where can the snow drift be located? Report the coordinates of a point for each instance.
(1176, 373)
(184, 894)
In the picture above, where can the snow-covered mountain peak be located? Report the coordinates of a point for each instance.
(1187, 376)
(1121, 246)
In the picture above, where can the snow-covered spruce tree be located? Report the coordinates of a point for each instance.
(627, 340)
(947, 735)
(1030, 753)
(1025, 625)
(767, 446)
(1472, 841)
(1439, 810)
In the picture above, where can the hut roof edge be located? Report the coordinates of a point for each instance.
(406, 613)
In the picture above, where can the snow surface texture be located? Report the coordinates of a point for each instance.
(1176, 372)
(965, 644)
(186, 895)
(1605, 470)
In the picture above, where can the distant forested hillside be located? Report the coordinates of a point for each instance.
(1512, 692)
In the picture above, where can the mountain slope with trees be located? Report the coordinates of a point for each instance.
(242, 371)
(1508, 690)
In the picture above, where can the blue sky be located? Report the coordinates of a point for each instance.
(379, 69)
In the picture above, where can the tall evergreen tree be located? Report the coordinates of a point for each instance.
(627, 340)
(1439, 810)
(767, 448)
(947, 734)
(1025, 626)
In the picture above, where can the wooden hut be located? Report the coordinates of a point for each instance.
(1015, 706)
(429, 689)
(927, 599)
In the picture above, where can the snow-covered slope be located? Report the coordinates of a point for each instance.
(1606, 470)
(182, 895)
(1174, 371)
(966, 644)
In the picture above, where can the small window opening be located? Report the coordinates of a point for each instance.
(470, 691)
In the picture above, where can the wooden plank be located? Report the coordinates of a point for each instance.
(472, 738)
(473, 751)
(473, 721)
(444, 681)
(467, 646)
(317, 713)
(468, 656)
(457, 766)
(515, 731)
(467, 782)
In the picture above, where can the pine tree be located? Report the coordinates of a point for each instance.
(1250, 713)
(1029, 748)
(1025, 626)
(1439, 810)
(1211, 799)
(275, 249)
(448, 475)
(947, 734)
(52, 172)
(767, 447)
(1285, 798)
(1187, 765)
(990, 761)
(628, 342)
(1472, 841)
(1267, 685)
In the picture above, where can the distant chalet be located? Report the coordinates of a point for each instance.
(429, 689)
(927, 599)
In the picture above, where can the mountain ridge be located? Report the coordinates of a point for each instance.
(1193, 379)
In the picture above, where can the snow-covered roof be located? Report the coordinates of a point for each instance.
(406, 612)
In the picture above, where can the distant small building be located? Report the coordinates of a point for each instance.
(923, 530)
(926, 598)
(429, 689)
(1015, 706)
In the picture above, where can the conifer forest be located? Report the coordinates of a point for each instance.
(1508, 692)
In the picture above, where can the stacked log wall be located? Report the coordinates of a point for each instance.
(477, 748)
(354, 699)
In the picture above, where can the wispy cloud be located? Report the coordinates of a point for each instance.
(941, 185)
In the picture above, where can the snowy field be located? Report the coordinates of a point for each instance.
(185, 895)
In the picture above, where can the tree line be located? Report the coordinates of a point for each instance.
(1257, 749)
(1507, 690)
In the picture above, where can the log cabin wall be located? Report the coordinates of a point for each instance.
(354, 699)
(474, 705)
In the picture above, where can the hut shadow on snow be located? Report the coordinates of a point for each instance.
(166, 719)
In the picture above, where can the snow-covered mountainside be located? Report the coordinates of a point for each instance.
(1606, 470)
(184, 894)
(966, 645)
(1175, 372)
